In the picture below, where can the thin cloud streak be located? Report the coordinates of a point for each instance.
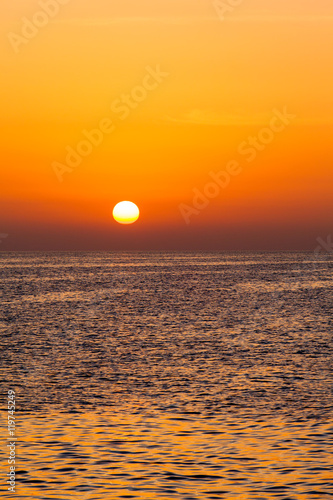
(279, 19)
(130, 20)
(188, 20)
(211, 118)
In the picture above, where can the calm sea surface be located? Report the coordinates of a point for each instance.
(168, 376)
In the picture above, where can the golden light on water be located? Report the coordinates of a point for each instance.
(126, 212)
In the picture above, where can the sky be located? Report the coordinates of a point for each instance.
(214, 118)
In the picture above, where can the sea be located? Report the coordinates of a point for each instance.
(167, 376)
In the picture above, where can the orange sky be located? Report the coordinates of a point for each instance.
(194, 89)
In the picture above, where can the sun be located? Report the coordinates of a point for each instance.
(126, 212)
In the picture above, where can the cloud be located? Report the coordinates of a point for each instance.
(130, 20)
(102, 21)
(212, 118)
(208, 117)
(267, 18)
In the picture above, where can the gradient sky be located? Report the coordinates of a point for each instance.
(224, 80)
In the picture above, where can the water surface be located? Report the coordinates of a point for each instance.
(169, 376)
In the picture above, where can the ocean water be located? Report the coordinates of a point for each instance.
(168, 376)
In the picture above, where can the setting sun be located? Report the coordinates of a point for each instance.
(126, 212)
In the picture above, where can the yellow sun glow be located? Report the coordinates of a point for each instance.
(126, 212)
